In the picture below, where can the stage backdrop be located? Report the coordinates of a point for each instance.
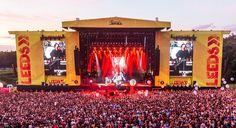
(206, 61)
(30, 57)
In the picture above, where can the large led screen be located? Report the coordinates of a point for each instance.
(54, 57)
(181, 58)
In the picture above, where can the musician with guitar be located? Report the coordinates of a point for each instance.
(57, 54)
(182, 56)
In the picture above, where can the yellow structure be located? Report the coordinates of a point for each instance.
(206, 59)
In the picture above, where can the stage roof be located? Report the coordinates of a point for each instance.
(115, 22)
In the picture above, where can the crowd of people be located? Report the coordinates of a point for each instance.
(160, 109)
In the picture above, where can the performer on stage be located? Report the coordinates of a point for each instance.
(182, 56)
(57, 52)
(118, 78)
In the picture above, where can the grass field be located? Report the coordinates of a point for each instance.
(7, 76)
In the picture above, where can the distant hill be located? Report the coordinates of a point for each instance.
(7, 48)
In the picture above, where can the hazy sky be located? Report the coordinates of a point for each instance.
(48, 14)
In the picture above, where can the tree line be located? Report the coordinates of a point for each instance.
(7, 59)
(229, 58)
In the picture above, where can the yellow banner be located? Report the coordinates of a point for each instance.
(207, 56)
(30, 58)
(24, 59)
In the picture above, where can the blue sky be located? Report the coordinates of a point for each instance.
(48, 14)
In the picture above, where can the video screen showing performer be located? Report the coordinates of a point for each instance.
(54, 57)
(181, 58)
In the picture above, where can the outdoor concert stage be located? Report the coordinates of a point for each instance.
(113, 52)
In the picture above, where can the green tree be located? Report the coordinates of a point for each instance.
(7, 59)
(229, 57)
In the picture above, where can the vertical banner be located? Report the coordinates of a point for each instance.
(23, 60)
(214, 58)
(208, 59)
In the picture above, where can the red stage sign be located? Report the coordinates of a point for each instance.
(24, 60)
(213, 61)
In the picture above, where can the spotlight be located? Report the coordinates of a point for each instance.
(1, 84)
(90, 81)
(224, 82)
(222, 88)
(132, 82)
(232, 79)
(227, 86)
(223, 79)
